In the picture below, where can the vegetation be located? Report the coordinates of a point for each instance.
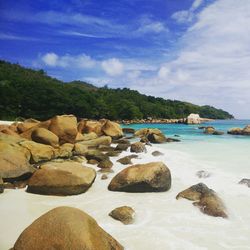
(31, 93)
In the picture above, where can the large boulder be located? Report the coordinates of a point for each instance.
(102, 140)
(146, 131)
(204, 198)
(65, 127)
(66, 178)
(235, 131)
(246, 130)
(14, 160)
(138, 147)
(65, 228)
(156, 138)
(150, 177)
(44, 136)
(124, 214)
(209, 130)
(39, 152)
(193, 119)
(112, 129)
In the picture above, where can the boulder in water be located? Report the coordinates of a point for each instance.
(150, 177)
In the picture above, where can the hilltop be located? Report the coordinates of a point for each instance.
(28, 93)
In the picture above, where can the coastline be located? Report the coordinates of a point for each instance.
(165, 222)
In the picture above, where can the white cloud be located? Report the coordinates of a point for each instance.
(185, 16)
(153, 27)
(113, 67)
(8, 36)
(80, 61)
(51, 59)
(212, 65)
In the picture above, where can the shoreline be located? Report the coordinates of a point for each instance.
(160, 218)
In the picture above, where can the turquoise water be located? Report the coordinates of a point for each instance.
(225, 152)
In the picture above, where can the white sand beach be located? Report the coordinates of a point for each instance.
(161, 221)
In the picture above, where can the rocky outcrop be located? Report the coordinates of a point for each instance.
(124, 214)
(138, 147)
(112, 129)
(212, 131)
(204, 198)
(65, 228)
(67, 178)
(65, 150)
(150, 177)
(152, 135)
(65, 127)
(239, 131)
(245, 181)
(44, 136)
(193, 119)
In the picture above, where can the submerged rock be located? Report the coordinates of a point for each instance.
(203, 174)
(150, 177)
(157, 153)
(245, 182)
(124, 214)
(65, 228)
(67, 178)
(206, 199)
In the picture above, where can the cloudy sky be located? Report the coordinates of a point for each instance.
(192, 50)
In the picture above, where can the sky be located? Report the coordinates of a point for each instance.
(190, 50)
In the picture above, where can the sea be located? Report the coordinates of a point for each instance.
(161, 221)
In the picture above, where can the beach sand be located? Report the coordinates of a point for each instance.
(161, 221)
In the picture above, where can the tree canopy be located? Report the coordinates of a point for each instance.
(32, 93)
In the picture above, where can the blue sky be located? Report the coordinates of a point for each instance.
(191, 50)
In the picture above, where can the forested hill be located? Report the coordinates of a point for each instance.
(31, 93)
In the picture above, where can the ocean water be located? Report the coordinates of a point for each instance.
(161, 221)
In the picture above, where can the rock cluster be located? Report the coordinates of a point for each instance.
(31, 143)
(239, 131)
